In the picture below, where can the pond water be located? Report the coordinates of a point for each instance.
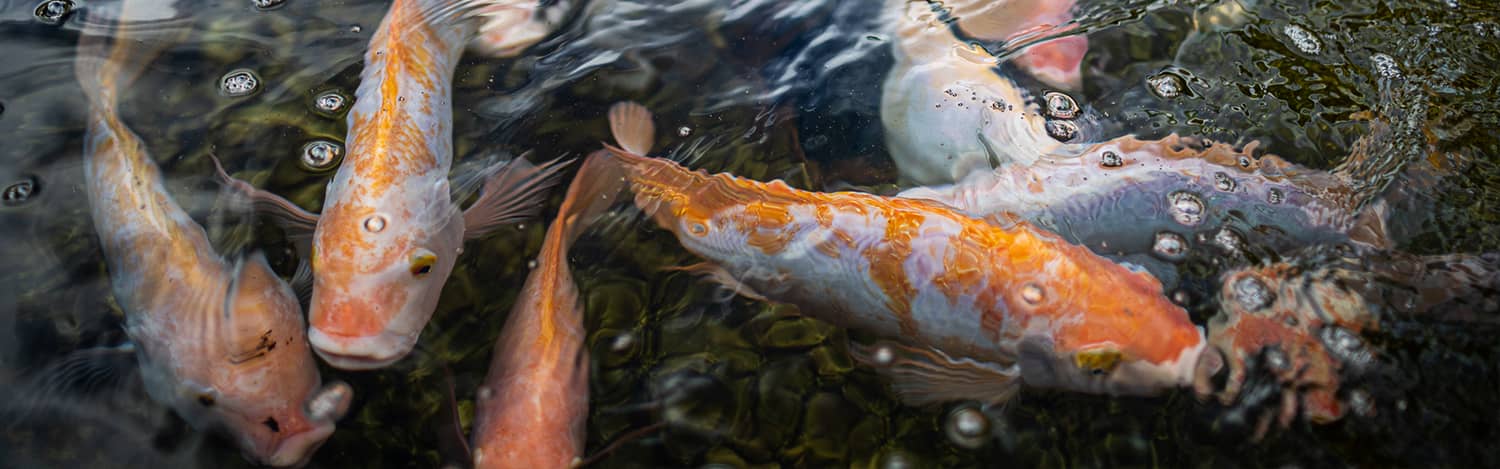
(684, 373)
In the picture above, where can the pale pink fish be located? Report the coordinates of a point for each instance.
(947, 112)
(534, 402)
(974, 309)
(390, 230)
(1056, 62)
(222, 343)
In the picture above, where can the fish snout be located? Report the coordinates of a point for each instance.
(355, 334)
(300, 439)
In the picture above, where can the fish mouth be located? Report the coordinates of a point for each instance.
(363, 352)
(297, 450)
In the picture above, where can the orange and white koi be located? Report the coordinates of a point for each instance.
(534, 402)
(947, 112)
(980, 308)
(390, 231)
(222, 343)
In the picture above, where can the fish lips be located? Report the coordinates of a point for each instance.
(363, 352)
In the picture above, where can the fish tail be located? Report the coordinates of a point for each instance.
(114, 53)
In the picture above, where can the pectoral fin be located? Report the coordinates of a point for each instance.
(515, 192)
(921, 376)
(632, 127)
(297, 222)
(717, 274)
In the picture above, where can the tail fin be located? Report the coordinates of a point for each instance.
(596, 187)
(104, 66)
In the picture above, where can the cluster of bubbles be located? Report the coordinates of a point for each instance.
(1305, 41)
(1386, 66)
(20, 191)
(1061, 110)
(1251, 293)
(321, 155)
(54, 12)
(239, 83)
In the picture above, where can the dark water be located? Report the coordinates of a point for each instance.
(764, 89)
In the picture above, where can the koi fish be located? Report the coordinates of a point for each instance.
(947, 112)
(977, 308)
(534, 404)
(1056, 62)
(390, 231)
(1301, 322)
(222, 343)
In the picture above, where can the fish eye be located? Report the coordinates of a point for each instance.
(206, 400)
(421, 262)
(698, 229)
(375, 223)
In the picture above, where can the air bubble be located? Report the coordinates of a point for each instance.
(1185, 207)
(1111, 159)
(1251, 293)
(1275, 196)
(19, 192)
(1170, 246)
(1347, 346)
(355, 29)
(1386, 66)
(622, 343)
(1223, 182)
(967, 427)
(1277, 360)
(1166, 85)
(1063, 131)
(1060, 105)
(684, 131)
(883, 355)
(330, 103)
(239, 83)
(268, 4)
(54, 12)
(531, 264)
(320, 155)
(1304, 40)
(1228, 240)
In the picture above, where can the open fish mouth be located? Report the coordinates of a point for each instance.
(365, 352)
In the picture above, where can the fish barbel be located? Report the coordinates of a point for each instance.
(222, 343)
(977, 304)
(390, 231)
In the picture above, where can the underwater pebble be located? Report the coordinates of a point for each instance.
(1251, 293)
(54, 12)
(1169, 246)
(1063, 131)
(967, 427)
(267, 4)
(794, 333)
(1386, 66)
(1304, 40)
(330, 103)
(320, 155)
(1166, 85)
(1060, 105)
(19, 192)
(1185, 207)
(239, 83)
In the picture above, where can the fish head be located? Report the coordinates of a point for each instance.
(379, 267)
(257, 380)
(1109, 330)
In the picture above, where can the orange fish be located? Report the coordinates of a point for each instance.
(222, 343)
(534, 402)
(978, 308)
(390, 231)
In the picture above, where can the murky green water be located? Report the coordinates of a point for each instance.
(763, 89)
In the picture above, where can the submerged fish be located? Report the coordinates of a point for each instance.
(946, 110)
(222, 343)
(534, 402)
(390, 230)
(979, 308)
(1056, 62)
